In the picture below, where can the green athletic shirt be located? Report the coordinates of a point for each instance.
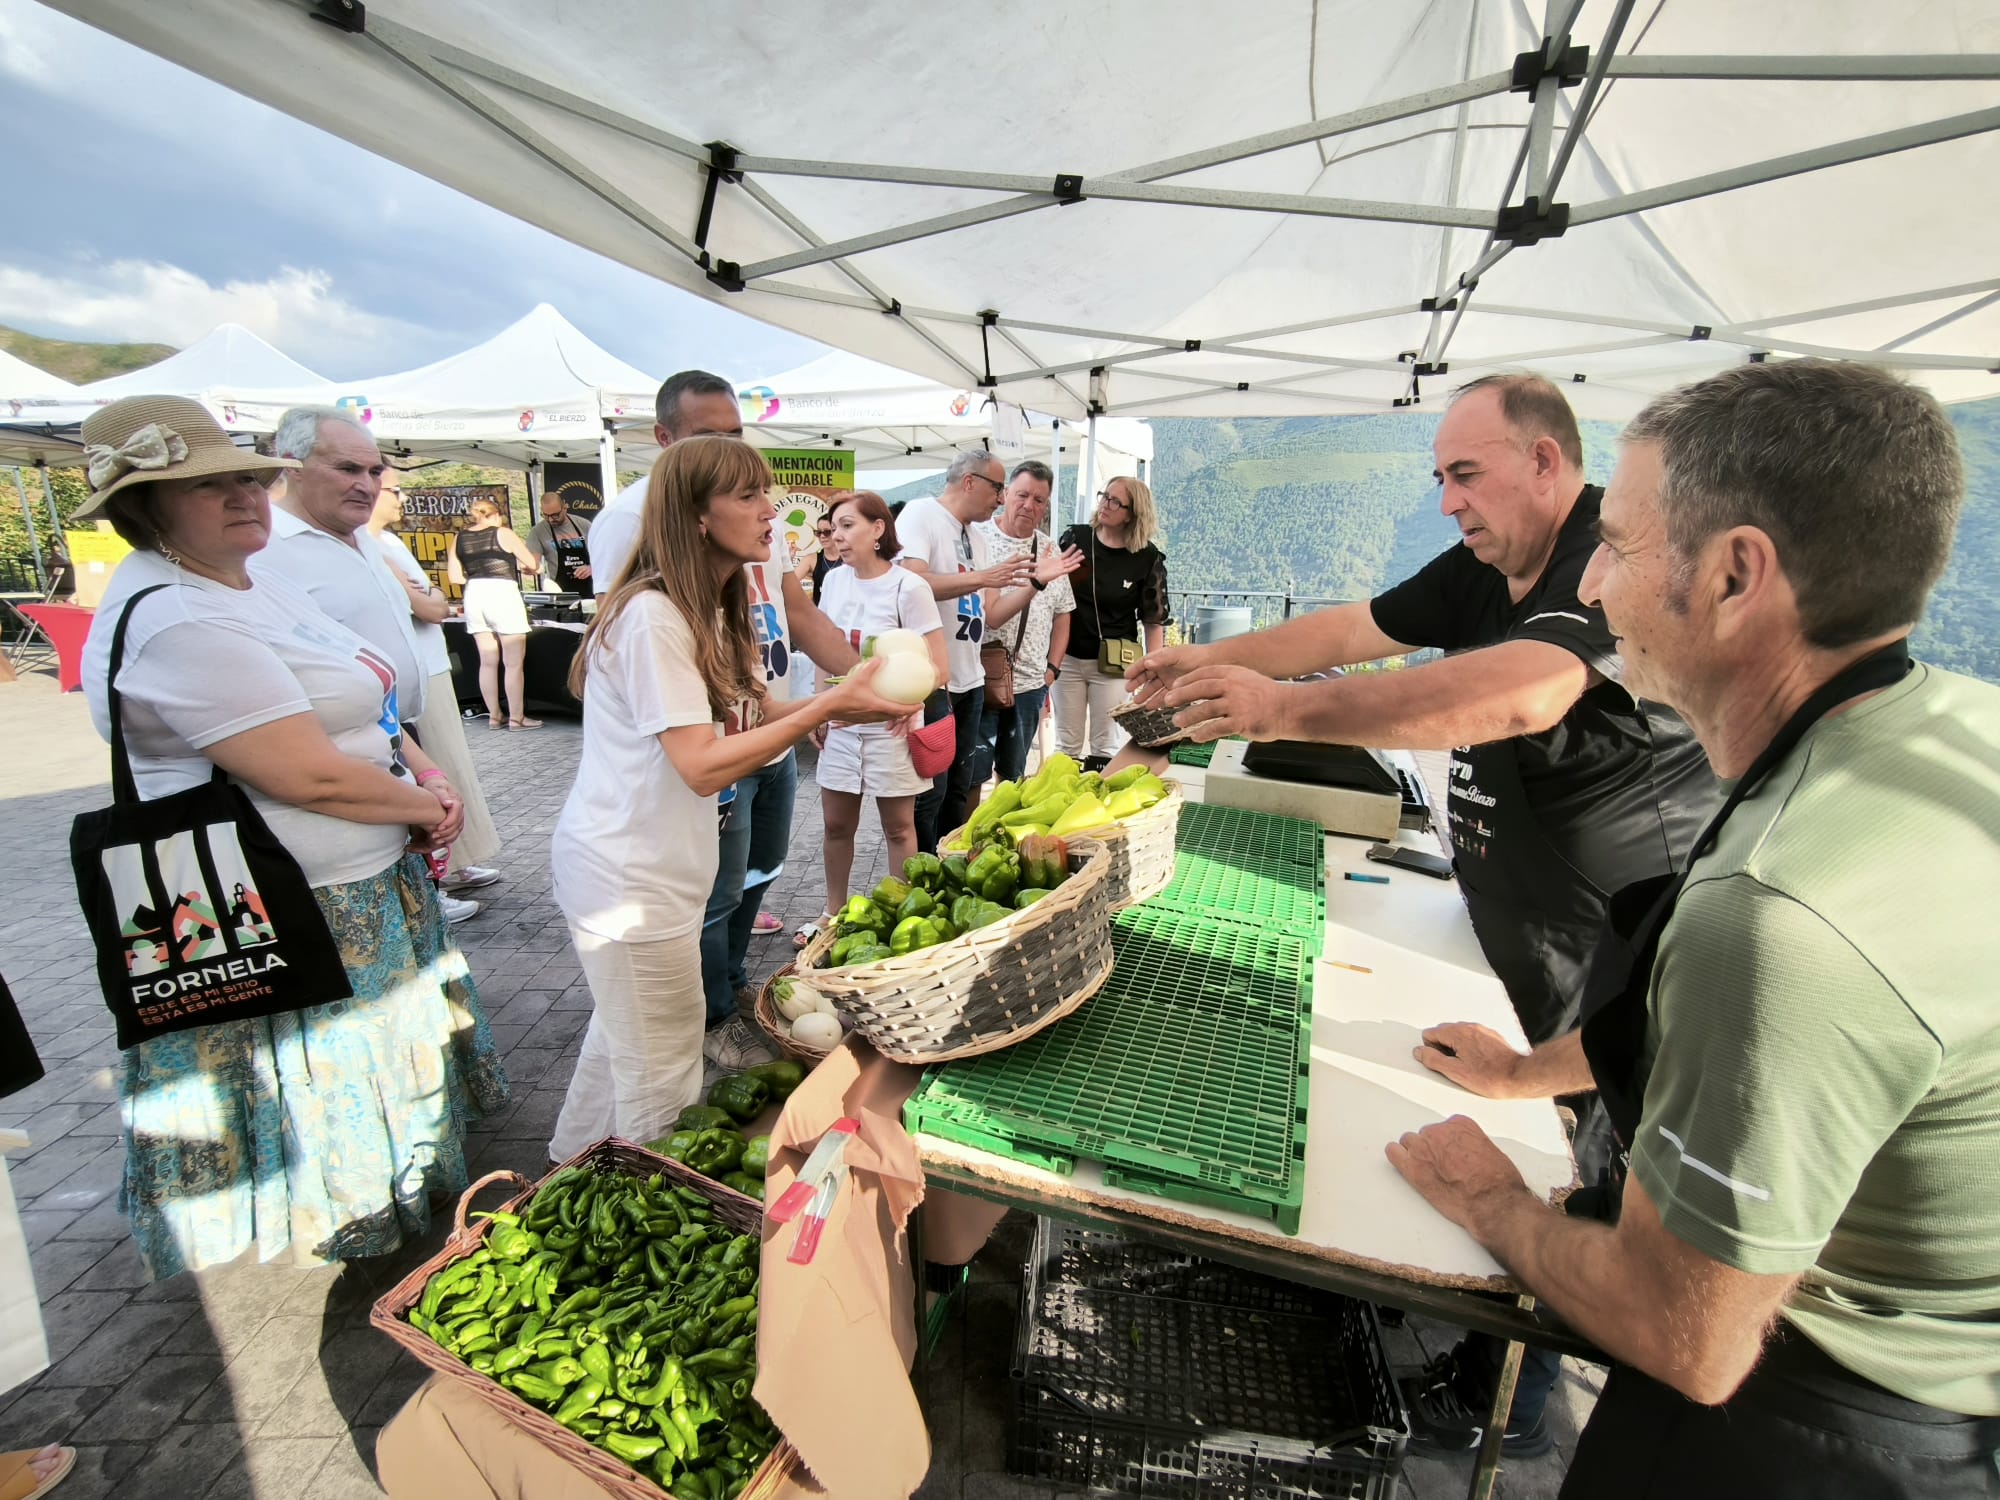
(1825, 1041)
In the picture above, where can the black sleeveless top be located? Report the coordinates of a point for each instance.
(482, 555)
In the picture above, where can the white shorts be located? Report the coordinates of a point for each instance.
(868, 765)
(494, 605)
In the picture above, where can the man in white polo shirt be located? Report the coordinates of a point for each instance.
(695, 403)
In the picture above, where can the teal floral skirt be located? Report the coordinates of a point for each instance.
(320, 1134)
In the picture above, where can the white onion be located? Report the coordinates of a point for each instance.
(816, 1030)
(905, 678)
(794, 999)
(898, 643)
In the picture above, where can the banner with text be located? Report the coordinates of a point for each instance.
(804, 481)
(580, 486)
(432, 517)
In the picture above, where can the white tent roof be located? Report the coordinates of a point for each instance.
(1312, 206)
(539, 388)
(228, 357)
(20, 380)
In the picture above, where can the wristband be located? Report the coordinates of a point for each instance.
(1036, 583)
(432, 774)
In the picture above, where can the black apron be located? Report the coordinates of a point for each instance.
(1801, 1427)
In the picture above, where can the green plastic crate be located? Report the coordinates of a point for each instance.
(1253, 840)
(1192, 755)
(1285, 898)
(1186, 1076)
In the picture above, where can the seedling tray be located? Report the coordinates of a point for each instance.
(1186, 1077)
(1285, 898)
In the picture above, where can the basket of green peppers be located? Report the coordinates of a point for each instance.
(610, 1311)
(971, 951)
(707, 1138)
(1132, 811)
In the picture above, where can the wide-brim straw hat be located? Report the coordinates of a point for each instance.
(143, 438)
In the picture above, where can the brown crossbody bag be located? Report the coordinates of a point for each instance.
(998, 658)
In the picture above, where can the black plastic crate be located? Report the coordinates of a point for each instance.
(1145, 1372)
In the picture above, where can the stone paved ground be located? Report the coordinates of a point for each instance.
(267, 1383)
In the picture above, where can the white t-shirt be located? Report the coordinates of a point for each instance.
(937, 540)
(204, 661)
(635, 851)
(1031, 658)
(861, 607)
(354, 586)
(613, 538)
(431, 651)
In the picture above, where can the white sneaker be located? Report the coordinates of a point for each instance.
(471, 878)
(455, 910)
(735, 1045)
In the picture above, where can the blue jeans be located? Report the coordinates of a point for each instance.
(1006, 733)
(945, 805)
(752, 856)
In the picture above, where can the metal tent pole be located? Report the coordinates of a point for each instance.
(34, 542)
(1088, 497)
(1055, 470)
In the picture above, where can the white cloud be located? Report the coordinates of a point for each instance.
(150, 302)
(20, 56)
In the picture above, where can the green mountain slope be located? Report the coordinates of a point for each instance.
(81, 363)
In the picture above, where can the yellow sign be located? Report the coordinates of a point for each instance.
(804, 480)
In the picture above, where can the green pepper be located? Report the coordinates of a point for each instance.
(742, 1095)
(1006, 798)
(921, 868)
(844, 946)
(702, 1117)
(631, 1446)
(1002, 880)
(1044, 812)
(534, 1388)
(756, 1155)
(953, 868)
(917, 904)
(1025, 899)
(911, 934)
(748, 1186)
(715, 1152)
(582, 1399)
(890, 893)
(675, 1146)
(781, 1076)
(870, 953)
(862, 912)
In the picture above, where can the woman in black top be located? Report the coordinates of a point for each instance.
(1121, 594)
(487, 560)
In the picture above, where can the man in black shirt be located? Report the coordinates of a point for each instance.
(1564, 788)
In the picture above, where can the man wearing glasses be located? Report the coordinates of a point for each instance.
(939, 546)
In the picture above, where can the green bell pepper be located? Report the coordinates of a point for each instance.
(742, 1094)
(1027, 898)
(756, 1155)
(923, 869)
(911, 934)
(890, 893)
(676, 1145)
(868, 954)
(781, 1076)
(953, 869)
(1002, 880)
(861, 912)
(714, 1152)
(704, 1117)
(916, 904)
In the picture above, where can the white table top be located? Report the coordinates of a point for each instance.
(1366, 1087)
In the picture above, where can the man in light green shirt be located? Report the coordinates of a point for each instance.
(1799, 1043)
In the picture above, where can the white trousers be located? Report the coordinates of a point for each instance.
(1084, 700)
(443, 736)
(641, 1060)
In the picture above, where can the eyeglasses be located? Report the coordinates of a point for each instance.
(822, 532)
(999, 485)
(1105, 497)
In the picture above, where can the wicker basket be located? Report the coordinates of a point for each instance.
(391, 1316)
(773, 1024)
(1141, 847)
(988, 988)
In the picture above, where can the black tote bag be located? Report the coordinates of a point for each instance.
(198, 913)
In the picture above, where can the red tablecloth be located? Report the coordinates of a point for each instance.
(66, 626)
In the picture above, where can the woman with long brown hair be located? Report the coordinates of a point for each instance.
(486, 560)
(673, 715)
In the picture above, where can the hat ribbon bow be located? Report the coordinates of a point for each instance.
(151, 447)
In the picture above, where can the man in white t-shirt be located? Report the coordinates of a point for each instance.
(940, 547)
(758, 829)
(320, 541)
(1031, 620)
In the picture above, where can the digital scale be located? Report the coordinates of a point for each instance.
(1343, 788)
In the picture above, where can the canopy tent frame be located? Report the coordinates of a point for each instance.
(1564, 83)
(1545, 161)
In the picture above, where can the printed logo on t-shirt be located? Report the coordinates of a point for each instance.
(971, 606)
(391, 724)
(1471, 834)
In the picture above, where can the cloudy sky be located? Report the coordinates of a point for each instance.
(350, 264)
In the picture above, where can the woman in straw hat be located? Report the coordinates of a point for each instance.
(675, 714)
(318, 1134)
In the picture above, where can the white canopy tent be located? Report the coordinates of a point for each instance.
(1152, 207)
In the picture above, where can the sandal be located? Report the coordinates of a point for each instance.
(807, 932)
(766, 924)
(17, 1472)
(524, 724)
(494, 721)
